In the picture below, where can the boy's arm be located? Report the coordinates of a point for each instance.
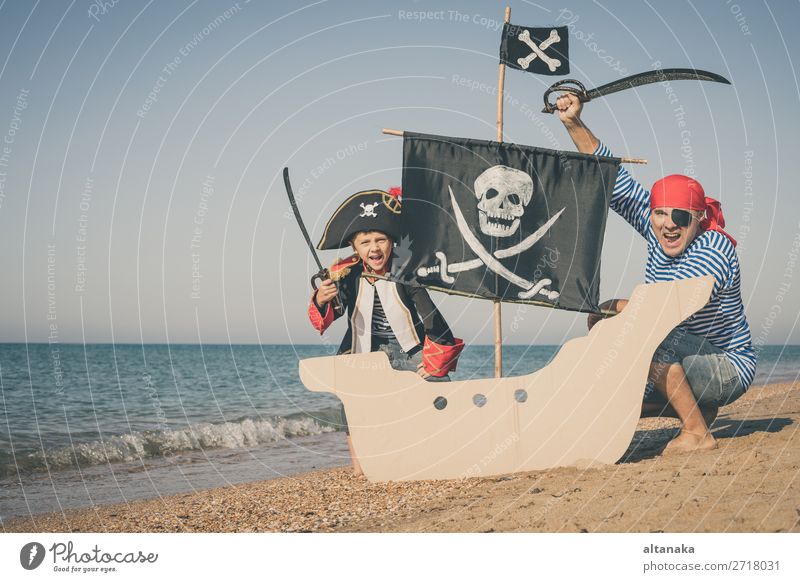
(321, 317)
(441, 349)
(320, 309)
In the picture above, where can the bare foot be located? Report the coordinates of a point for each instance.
(687, 442)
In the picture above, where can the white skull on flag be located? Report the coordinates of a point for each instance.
(503, 193)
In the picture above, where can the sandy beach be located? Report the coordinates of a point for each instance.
(750, 483)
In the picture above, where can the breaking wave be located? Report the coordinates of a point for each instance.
(247, 432)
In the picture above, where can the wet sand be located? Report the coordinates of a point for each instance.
(750, 483)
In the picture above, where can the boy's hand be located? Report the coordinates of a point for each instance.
(326, 292)
(421, 371)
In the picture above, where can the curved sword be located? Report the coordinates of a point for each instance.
(323, 273)
(646, 78)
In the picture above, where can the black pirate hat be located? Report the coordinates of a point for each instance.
(363, 211)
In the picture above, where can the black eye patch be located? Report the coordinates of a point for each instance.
(682, 218)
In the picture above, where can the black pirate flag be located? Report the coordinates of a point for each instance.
(503, 221)
(544, 51)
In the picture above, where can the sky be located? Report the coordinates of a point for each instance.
(142, 145)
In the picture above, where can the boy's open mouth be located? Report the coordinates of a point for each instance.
(376, 260)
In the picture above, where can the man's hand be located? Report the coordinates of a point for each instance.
(569, 110)
(615, 305)
(326, 292)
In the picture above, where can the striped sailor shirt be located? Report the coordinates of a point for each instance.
(722, 321)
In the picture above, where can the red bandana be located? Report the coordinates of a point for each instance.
(677, 191)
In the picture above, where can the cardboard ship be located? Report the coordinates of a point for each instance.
(580, 410)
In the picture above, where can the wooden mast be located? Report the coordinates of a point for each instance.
(498, 321)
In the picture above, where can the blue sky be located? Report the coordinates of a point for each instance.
(140, 189)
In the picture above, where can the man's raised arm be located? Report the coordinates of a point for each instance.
(628, 199)
(569, 111)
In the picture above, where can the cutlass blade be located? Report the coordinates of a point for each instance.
(577, 88)
(323, 273)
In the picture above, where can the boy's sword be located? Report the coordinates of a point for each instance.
(646, 78)
(323, 273)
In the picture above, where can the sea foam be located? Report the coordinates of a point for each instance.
(243, 433)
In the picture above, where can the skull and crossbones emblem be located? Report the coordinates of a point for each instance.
(538, 50)
(502, 194)
(368, 210)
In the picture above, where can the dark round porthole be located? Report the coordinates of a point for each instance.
(440, 402)
(520, 395)
(479, 400)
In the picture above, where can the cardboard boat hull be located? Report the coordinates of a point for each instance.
(580, 410)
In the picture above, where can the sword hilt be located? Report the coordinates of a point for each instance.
(565, 86)
(441, 268)
(335, 302)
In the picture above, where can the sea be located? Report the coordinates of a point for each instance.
(86, 425)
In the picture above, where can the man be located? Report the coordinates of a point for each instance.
(708, 361)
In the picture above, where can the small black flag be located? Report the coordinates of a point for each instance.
(544, 51)
(503, 221)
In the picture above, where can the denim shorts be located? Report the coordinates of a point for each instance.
(399, 360)
(712, 376)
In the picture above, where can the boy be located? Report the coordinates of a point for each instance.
(397, 319)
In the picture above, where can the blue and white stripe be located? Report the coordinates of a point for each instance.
(722, 321)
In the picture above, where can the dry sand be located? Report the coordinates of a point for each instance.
(750, 483)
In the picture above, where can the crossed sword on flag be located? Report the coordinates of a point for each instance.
(491, 261)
